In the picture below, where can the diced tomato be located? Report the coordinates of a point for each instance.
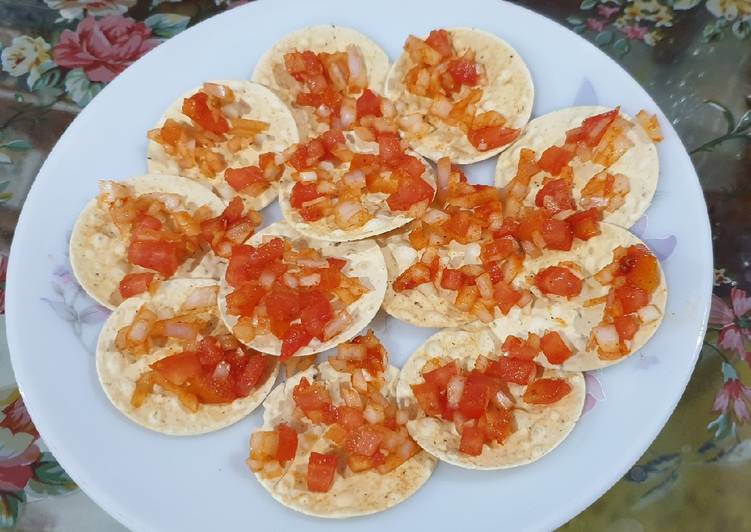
(464, 72)
(349, 417)
(554, 159)
(243, 301)
(491, 137)
(144, 221)
(530, 222)
(496, 424)
(554, 348)
(321, 471)
(358, 463)
(510, 226)
(363, 440)
(627, 326)
(440, 41)
(428, 397)
(178, 368)
(332, 139)
(335, 263)
(283, 304)
(475, 396)
(286, 448)
(411, 190)
(452, 279)
(517, 348)
(210, 352)
(307, 155)
(440, 377)
(295, 339)
(310, 396)
(197, 108)
(505, 296)
(495, 270)
(411, 166)
(389, 148)
(212, 391)
(368, 104)
(558, 281)
(632, 297)
(546, 391)
(640, 267)
(330, 279)
(365, 162)
(555, 196)
(234, 211)
(512, 369)
(585, 224)
(135, 283)
(315, 314)
(458, 224)
(155, 255)
(498, 249)
(557, 234)
(251, 375)
(472, 441)
(302, 193)
(241, 178)
(594, 127)
(413, 276)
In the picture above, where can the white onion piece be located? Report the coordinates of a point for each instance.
(308, 176)
(441, 108)
(290, 280)
(350, 396)
(113, 190)
(221, 371)
(346, 210)
(374, 414)
(326, 165)
(204, 296)
(215, 89)
(606, 337)
(323, 110)
(326, 187)
(312, 263)
(349, 351)
(139, 331)
(472, 253)
(176, 329)
(340, 322)
(312, 279)
(406, 449)
(435, 216)
(485, 286)
(354, 179)
(503, 400)
(348, 113)
(266, 279)
(402, 416)
(649, 313)
(454, 390)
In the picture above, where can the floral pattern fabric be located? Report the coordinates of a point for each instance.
(56, 58)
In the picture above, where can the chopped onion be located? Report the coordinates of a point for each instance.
(606, 337)
(312, 263)
(435, 216)
(350, 351)
(482, 312)
(388, 109)
(215, 89)
(373, 414)
(649, 313)
(113, 190)
(180, 330)
(340, 322)
(402, 417)
(346, 210)
(139, 331)
(407, 449)
(481, 364)
(441, 107)
(290, 280)
(348, 113)
(323, 111)
(221, 371)
(308, 176)
(530, 249)
(354, 179)
(350, 396)
(485, 286)
(266, 279)
(503, 400)
(201, 297)
(525, 299)
(312, 279)
(358, 380)
(454, 390)
(326, 187)
(378, 399)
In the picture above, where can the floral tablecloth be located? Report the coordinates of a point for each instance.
(693, 56)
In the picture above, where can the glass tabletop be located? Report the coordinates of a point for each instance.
(692, 56)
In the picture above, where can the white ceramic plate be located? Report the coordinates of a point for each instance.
(153, 482)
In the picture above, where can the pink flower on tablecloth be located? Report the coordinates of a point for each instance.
(734, 398)
(596, 25)
(734, 322)
(17, 454)
(17, 418)
(606, 11)
(635, 32)
(103, 47)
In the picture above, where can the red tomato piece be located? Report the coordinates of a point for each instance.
(315, 314)
(363, 440)
(295, 339)
(178, 368)
(302, 193)
(472, 441)
(464, 72)
(554, 159)
(632, 297)
(286, 448)
(498, 249)
(505, 296)
(554, 348)
(144, 221)
(389, 148)
(440, 377)
(429, 398)
(349, 417)
(321, 471)
(546, 391)
(594, 127)
(585, 224)
(557, 234)
(627, 326)
(197, 108)
(210, 352)
(475, 396)
(211, 391)
(155, 255)
(135, 283)
(558, 281)
(283, 304)
(496, 424)
(413, 276)
(411, 190)
(243, 301)
(241, 178)
(491, 137)
(308, 155)
(310, 397)
(529, 223)
(555, 196)
(517, 348)
(330, 279)
(440, 41)
(640, 268)
(452, 279)
(368, 104)
(251, 375)
(512, 369)
(411, 166)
